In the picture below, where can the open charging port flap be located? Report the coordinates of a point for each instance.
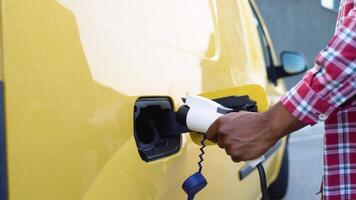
(154, 141)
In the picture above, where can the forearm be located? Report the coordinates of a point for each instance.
(281, 121)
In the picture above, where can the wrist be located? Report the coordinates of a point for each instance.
(269, 121)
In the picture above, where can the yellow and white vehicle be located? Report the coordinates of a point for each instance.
(72, 71)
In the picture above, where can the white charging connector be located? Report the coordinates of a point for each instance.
(202, 114)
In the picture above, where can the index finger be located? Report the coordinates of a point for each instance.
(211, 134)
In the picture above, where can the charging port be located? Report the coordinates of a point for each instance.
(154, 128)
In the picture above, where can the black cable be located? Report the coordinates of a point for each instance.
(202, 152)
(264, 189)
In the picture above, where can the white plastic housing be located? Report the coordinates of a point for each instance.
(202, 114)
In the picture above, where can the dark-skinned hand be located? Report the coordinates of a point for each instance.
(247, 135)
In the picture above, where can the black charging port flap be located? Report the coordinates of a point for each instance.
(155, 128)
(238, 103)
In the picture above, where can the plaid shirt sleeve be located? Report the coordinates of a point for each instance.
(332, 82)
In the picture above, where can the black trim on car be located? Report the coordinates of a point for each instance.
(3, 177)
(247, 170)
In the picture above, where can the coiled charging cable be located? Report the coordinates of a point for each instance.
(196, 182)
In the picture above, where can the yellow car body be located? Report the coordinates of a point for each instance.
(72, 71)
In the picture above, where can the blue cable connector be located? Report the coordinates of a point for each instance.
(196, 182)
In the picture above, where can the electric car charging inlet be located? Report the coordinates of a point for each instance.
(196, 115)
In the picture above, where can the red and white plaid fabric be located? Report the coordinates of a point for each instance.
(328, 93)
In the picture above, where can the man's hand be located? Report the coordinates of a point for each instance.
(247, 135)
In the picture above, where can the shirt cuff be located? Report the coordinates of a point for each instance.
(306, 105)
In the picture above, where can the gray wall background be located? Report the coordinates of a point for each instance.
(298, 25)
